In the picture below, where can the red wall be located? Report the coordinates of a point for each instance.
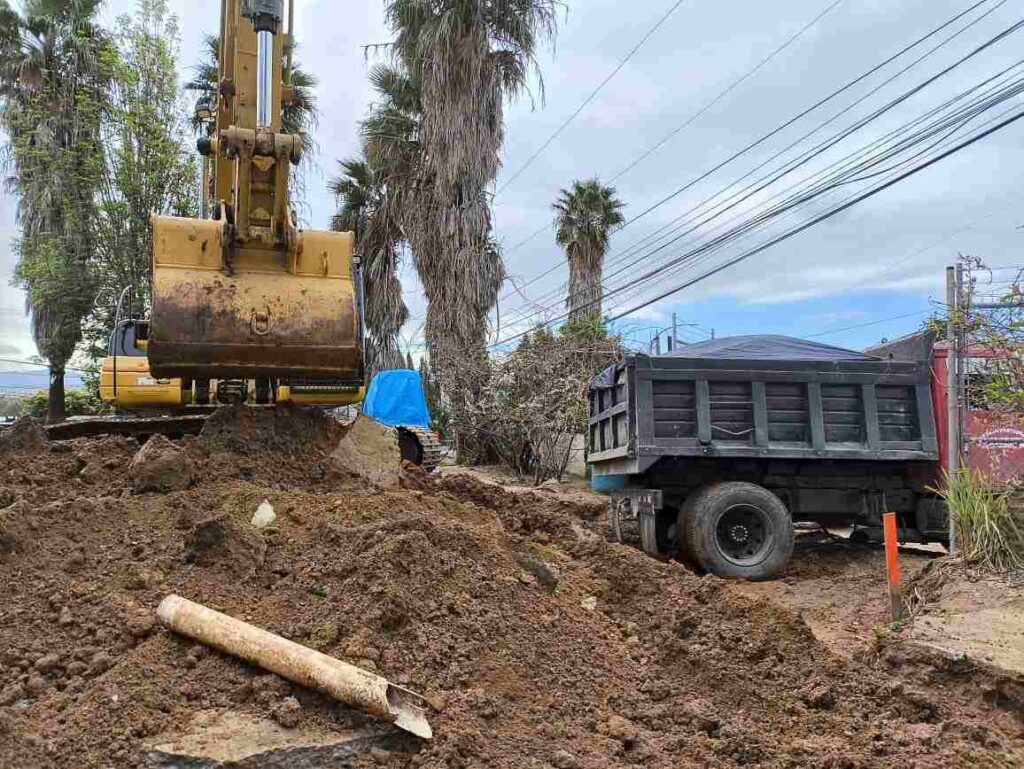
(994, 439)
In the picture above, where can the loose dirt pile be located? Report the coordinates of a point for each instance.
(25, 436)
(537, 641)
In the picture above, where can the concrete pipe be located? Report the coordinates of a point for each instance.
(305, 666)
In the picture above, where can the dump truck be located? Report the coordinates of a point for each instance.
(719, 447)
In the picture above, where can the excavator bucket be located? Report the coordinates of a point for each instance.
(254, 313)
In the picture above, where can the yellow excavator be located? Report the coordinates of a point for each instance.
(246, 294)
(246, 306)
(245, 301)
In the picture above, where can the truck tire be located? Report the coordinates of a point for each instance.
(737, 529)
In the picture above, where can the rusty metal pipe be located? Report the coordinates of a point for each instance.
(306, 667)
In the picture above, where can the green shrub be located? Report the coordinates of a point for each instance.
(76, 403)
(989, 526)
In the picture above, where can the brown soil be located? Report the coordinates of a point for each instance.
(965, 612)
(285, 428)
(540, 643)
(839, 589)
(25, 436)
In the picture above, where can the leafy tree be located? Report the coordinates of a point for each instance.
(12, 405)
(585, 216)
(995, 382)
(463, 59)
(535, 401)
(150, 167)
(364, 208)
(54, 70)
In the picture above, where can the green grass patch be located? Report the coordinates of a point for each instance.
(989, 520)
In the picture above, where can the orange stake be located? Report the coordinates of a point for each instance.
(892, 564)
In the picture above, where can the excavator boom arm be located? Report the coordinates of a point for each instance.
(247, 293)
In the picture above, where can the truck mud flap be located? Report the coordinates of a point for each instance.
(640, 505)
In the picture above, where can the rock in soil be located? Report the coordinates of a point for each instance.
(288, 713)
(160, 465)
(369, 451)
(220, 542)
(819, 696)
(236, 739)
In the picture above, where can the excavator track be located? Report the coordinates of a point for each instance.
(175, 425)
(419, 446)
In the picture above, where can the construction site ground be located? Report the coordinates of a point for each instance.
(537, 641)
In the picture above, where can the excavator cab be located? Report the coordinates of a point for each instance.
(247, 294)
(125, 379)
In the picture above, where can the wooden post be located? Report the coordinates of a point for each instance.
(892, 565)
(952, 387)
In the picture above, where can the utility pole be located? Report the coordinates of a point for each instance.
(675, 333)
(952, 384)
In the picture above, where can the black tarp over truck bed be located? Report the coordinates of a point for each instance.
(761, 396)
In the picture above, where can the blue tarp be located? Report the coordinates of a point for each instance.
(396, 398)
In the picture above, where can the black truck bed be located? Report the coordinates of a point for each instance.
(744, 398)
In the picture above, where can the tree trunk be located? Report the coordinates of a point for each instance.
(585, 290)
(55, 402)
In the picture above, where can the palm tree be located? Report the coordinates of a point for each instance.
(585, 216)
(467, 57)
(363, 208)
(53, 80)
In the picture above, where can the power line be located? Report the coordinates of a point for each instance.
(831, 331)
(776, 211)
(36, 363)
(814, 220)
(655, 236)
(827, 144)
(792, 165)
(590, 98)
(827, 215)
(722, 94)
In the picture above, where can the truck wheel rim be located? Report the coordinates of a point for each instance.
(743, 534)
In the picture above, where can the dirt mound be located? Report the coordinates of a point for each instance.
(538, 642)
(25, 436)
(283, 429)
(160, 465)
(370, 451)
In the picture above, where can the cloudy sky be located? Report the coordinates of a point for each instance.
(874, 271)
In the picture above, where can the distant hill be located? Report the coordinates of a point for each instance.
(29, 381)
